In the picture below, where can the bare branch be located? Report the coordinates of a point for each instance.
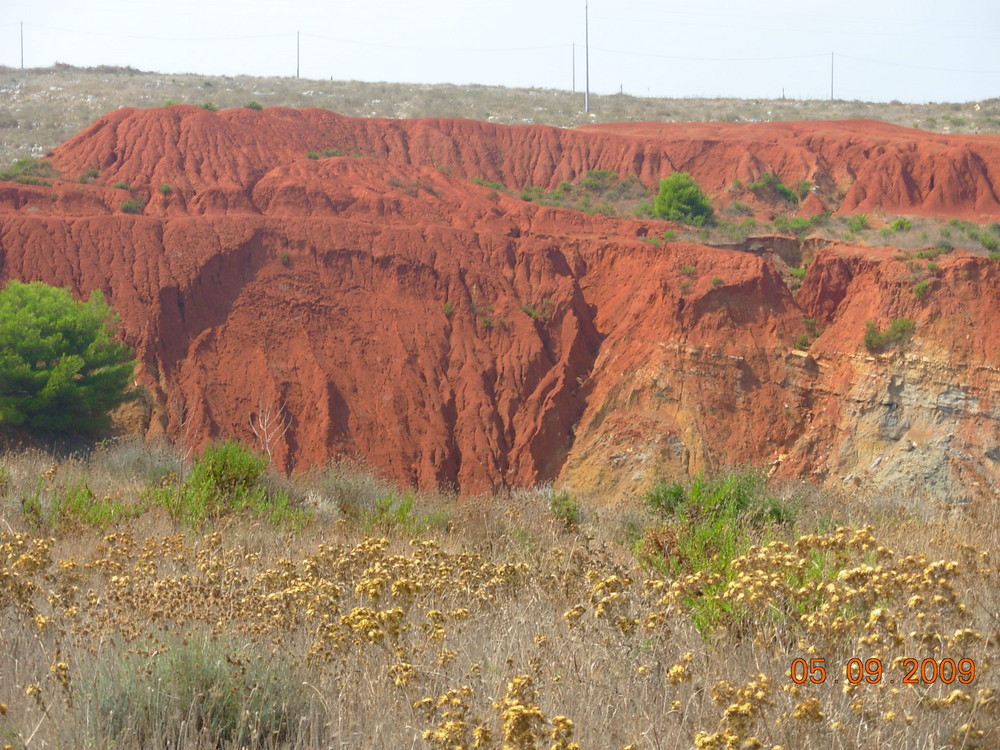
(269, 424)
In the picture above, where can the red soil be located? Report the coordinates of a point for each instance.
(444, 333)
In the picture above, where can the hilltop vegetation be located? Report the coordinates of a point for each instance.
(42, 107)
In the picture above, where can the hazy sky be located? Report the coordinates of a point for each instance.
(909, 50)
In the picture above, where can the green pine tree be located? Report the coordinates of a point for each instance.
(60, 366)
(680, 199)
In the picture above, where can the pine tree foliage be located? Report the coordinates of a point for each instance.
(61, 368)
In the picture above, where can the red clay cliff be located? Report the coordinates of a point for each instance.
(445, 332)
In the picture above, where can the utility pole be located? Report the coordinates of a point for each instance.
(298, 46)
(586, 33)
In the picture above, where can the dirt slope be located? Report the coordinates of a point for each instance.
(447, 333)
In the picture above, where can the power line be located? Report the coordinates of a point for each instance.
(790, 57)
(918, 67)
(411, 48)
(277, 35)
(709, 59)
(162, 38)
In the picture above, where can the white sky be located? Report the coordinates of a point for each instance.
(908, 50)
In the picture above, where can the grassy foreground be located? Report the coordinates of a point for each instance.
(360, 616)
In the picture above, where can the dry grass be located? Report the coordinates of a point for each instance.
(41, 107)
(507, 626)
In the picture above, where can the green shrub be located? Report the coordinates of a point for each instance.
(448, 308)
(489, 184)
(717, 281)
(312, 155)
(122, 186)
(941, 248)
(332, 152)
(769, 187)
(798, 273)
(229, 470)
(132, 206)
(741, 209)
(901, 225)
(680, 199)
(89, 175)
(77, 506)
(921, 290)
(532, 192)
(857, 223)
(689, 270)
(565, 508)
(226, 478)
(285, 259)
(598, 180)
(60, 367)
(394, 513)
(27, 180)
(209, 106)
(988, 240)
(797, 225)
(803, 341)
(738, 231)
(28, 168)
(254, 105)
(166, 189)
(737, 496)
(898, 332)
(704, 527)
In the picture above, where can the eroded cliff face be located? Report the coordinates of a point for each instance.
(917, 423)
(446, 333)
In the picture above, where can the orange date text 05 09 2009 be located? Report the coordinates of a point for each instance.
(910, 671)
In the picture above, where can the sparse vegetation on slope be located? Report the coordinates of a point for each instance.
(898, 332)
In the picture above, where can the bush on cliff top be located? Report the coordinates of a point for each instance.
(680, 199)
